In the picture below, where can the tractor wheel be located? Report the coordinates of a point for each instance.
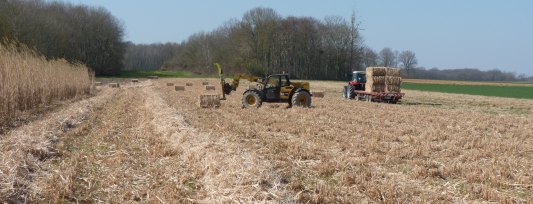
(251, 99)
(345, 92)
(302, 99)
(351, 94)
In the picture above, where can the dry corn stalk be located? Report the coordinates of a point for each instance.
(114, 85)
(28, 80)
(134, 80)
(98, 83)
(209, 100)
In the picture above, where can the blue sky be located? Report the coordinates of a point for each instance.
(446, 34)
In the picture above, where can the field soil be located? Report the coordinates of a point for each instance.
(146, 142)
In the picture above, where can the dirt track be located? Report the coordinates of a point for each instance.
(147, 142)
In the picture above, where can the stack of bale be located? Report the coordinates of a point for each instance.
(393, 80)
(383, 79)
(375, 79)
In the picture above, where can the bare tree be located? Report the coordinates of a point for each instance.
(387, 57)
(408, 60)
(370, 58)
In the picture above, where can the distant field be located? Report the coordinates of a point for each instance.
(497, 89)
(145, 73)
(429, 81)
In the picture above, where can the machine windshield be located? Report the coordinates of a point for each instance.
(359, 77)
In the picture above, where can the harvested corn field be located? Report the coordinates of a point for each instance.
(432, 148)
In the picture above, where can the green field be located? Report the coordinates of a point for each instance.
(145, 73)
(483, 90)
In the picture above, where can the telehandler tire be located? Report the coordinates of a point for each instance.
(301, 99)
(251, 99)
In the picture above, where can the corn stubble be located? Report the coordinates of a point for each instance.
(338, 151)
(28, 80)
(348, 151)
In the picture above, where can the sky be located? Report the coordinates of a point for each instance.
(484, 34)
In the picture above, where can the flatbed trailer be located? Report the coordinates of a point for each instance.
(387, 97)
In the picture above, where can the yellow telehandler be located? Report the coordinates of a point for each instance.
(276, 88)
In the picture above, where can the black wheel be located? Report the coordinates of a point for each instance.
(302, 99)
(345, 92)
(351, 94)
(368, 98)
(251, 99)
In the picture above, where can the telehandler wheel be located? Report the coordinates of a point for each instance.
(302, 99)
(251, 99)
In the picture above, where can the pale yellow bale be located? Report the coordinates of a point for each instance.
(170, 84)
(209, 101)
(134, 80)
(205, 83)
(98, 83)
(374, 88)
(318, 94)
(209, 87)
(114, 85)
(179, 88)
(375, 80)
(392, 88)
(188, 84)
(375, 71)
(393, 80)
(393, 72)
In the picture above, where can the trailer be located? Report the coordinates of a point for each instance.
(356, 89)
(379, 96)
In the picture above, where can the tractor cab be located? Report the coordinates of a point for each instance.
(359, 77)
(358, 80)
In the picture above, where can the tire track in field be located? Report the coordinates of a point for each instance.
(24, 149)
(228, 172)
(117, 158)
(136, 148)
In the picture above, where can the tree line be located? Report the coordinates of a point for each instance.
(466, 74)
(263, 42)
(77, 33)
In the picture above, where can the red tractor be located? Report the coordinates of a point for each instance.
(356, 84)
(356, 89)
